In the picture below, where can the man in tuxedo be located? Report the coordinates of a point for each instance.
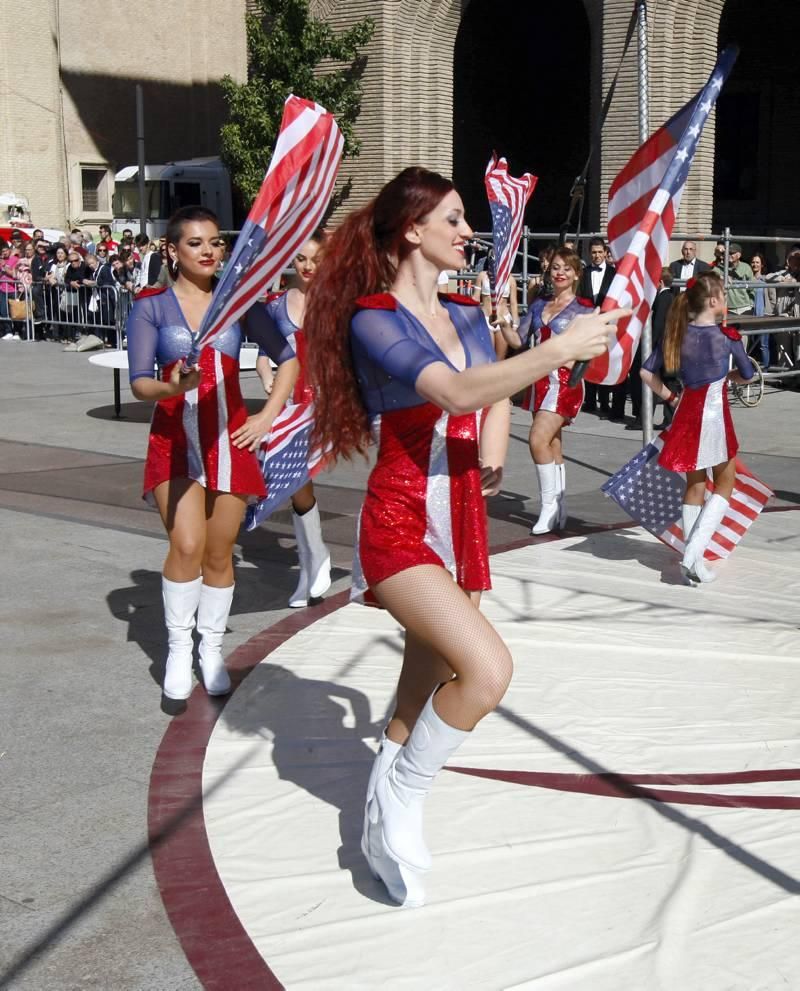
(658, 319)
(688, 266)
(594, 283)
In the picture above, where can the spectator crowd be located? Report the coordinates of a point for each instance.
(70, 290)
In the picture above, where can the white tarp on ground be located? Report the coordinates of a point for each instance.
(618, 668)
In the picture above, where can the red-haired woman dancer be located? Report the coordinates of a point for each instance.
(701, 436)
(387, 352)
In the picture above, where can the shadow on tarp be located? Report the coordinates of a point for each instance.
(318, 731)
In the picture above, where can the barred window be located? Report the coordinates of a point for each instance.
(93, 190)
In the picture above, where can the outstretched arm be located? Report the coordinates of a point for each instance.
(464, 392)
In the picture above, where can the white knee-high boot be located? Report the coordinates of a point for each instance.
(549, 512)
(561, 494)
(315, 560)
(707, 522)
(400, 793)
(212, 620)
(181, 600)
(404, 887)
(689, 515)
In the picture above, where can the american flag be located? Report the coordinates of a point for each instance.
(653, 497)
(507, 200)
(286, 460)
(290, 204)
(643, 202)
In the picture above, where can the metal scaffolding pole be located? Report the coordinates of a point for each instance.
(646, 343)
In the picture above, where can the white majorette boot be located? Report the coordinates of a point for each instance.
(403, 887)
(561, 494)
(315, 561)
(212, 619)
(707, 522)
(400, 795)
(549, 512)
(689, 516)
(180, 605)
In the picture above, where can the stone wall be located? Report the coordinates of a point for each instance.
(70, 102)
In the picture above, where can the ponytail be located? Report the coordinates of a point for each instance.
(360, 259)
(350, 268)
(677, 322)
(687, 306)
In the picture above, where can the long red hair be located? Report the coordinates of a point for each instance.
(361, 258)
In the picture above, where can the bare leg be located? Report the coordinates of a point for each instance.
(434, 610)
(724, 478)
(304, 499)
(423, 669)
(182, 505)
(545, 428)
(695, 487)
(224, 517)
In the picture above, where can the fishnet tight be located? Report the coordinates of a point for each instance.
(446, 634)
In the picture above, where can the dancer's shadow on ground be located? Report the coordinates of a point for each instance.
(318, 731)
(625, 545)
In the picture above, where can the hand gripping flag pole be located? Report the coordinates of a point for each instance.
(289, 206)
(643, 203)
(508, 198)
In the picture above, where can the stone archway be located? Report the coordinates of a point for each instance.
(682, 39)
(758, 147)
(522, 87)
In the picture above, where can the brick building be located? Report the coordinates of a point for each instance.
(68, 100)
(446, 81)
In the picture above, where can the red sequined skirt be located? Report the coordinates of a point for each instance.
(423, 503)
(190, 435)
(701, 434)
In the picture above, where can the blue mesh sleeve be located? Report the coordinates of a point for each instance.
(262, 329)
(142, 334)
(743, 363)
(386, 343)
(654, 361)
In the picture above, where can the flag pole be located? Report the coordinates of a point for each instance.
(646, 343)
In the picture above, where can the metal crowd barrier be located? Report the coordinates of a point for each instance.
(16, 310)
(99, 310)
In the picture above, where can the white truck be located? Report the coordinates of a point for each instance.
(194, 182)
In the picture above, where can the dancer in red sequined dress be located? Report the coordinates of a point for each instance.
(387, 354)
(196, 475)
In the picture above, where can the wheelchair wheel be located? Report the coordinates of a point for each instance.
(751, 393)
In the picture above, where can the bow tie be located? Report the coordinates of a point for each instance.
(597, 268)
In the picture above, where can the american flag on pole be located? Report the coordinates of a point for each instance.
(653, 497)
(286, 461)
(290, 204)
(508, 198)
(643, 203)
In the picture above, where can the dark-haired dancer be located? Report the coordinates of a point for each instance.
(386, 352)
(551, 399)
(197, 477)
(285, 312)
(701, 436)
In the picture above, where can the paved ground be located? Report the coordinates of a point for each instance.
(80, 716)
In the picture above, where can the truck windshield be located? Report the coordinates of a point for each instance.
(157, 200)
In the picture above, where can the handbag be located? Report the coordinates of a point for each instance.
(94, 304)
(69, 298)
(20, 309)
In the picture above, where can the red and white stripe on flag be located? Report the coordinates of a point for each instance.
(289, 206)
(750, 495)
(290, 421)
(511, 196)
(643, 202)
(641, 218)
